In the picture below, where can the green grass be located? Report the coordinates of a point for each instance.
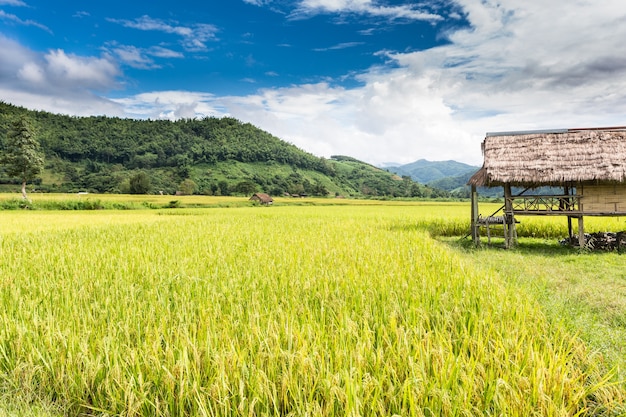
(289, 310)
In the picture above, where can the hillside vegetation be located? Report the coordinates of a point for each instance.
(211, 156)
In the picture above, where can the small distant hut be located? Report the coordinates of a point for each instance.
(588, 164)
(262, 198)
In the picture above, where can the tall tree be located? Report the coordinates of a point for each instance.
(140, 183)
(22, 155)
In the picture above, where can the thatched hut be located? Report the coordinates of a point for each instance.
(588, 164)
(262, 198)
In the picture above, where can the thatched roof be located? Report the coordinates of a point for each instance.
(262, 198)
(553, 157)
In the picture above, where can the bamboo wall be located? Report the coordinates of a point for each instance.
(602, 198)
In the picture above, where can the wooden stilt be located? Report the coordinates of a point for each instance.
(581, 232)
(567, 207)
(513, 230)
(475, 226)
(569, 228)
(510, 234)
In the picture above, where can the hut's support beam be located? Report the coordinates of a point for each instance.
(581, 232)
(510, 234)
(475, 226)
(569, 228)
(567, 191)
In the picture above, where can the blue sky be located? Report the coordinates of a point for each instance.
(379, 80)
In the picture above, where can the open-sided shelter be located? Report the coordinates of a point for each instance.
(588, 164)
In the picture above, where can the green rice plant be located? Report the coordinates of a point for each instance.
(18, 222)
(320, 311)
(584, 291)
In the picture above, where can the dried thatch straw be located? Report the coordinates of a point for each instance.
(553, 158)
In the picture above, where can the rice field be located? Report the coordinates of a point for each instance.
(303, 310)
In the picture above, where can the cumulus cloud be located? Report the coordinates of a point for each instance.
(533, 59)
(12, 55)
(388, 119)
(71, 103)
(171, 105)
(54, 72)
(194, 37)
(74, 71)
(56, 81)
(31, 73)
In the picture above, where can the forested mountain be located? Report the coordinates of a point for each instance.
(214, 156)
(424, 171)
(457, 186)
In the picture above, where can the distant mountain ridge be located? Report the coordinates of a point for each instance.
(424, 171)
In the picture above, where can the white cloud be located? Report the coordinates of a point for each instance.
(13, 18)
(194, 37)
(56, 81)
(162, 52)
(171, 105)
(80, 72)
(12, 3)
(391, 118)
(134, 57)
(257, 2)
(12, 56)
(367, 7)
(72, 103)
(534, 63)
(81, 14)
(148, 23)
(31, 73)
(339, 46)
(141, 57)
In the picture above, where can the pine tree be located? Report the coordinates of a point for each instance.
(21, 155)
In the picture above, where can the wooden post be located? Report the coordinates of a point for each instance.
(581, 233)
(568, 207)
(569, 229)
(510, 234)
(475, 231)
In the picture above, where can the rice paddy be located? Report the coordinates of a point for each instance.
(318, 310)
